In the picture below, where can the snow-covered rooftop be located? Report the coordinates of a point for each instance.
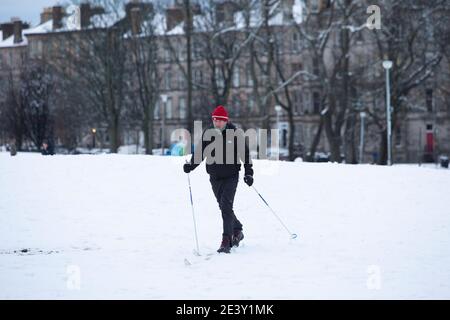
(9, 42)
(201, 23)
(103, 20)
(205, 22)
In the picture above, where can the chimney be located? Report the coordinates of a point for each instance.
(85, 15)
(145, 7)
(86, 12)
(196, 9)
(46, 15)
(7, 30)
(174, 16)
(57, 14)
(225, 11)
(17, 31)
(288, 13)
(96, 10)
(135, 15)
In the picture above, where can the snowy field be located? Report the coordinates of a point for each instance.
(120, 227)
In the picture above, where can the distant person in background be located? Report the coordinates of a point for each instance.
(13, 148)
(47, 149)
(374, 157)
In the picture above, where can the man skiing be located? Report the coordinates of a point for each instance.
(224, 174)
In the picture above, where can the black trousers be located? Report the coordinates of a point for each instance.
(224, 190)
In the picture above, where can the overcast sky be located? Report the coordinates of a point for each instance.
(27, 10)
(30, 10)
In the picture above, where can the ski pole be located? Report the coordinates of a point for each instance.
(293, 235)
(193, 216)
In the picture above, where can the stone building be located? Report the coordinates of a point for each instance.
(423, 133)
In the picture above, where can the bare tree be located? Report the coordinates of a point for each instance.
(327, 30)
(98, 62)
(36, 86)
(11, 110)
(144, 75)
(406, 39)
(274, 78)
(215, 43)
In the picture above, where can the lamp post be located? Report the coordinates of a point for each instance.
(163, 121)
(361, 140)
(387, 64)
(94, 131)
(278, 111)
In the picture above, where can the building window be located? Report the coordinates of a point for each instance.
(219, 78)
(314, 5)
(429, 99)
(181, 51)
(181, 81)
(316, 103)
(156, 111)
(197, 50)
(316, 66)
(166, 53)
(168, 108)
(183, 110)
(236, 103)
(307, 102)
(279, 42)
(198, 77)
(236, 77)
(36, 48)
(251, 104)
(296, 43)
(296, 67)
(249, 76)
(398, 136)
(298, 102)
(167, 79)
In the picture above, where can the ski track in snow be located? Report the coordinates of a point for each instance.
(120, 227)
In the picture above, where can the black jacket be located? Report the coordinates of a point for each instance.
(224, 170)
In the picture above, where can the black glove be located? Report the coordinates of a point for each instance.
(248, 179)
(187, 167)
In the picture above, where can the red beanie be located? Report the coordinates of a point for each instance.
(220, 113)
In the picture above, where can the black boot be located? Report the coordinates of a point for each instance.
(225, 246)
(238, 235)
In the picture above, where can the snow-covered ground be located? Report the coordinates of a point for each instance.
(120, 226)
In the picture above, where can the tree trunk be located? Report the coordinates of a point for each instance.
(190, 120)
(114, 133)
(18, 136)
(315, 143)
(382, 158)
(350, 154)
(147, 128)
(333, 138)
(291, 135)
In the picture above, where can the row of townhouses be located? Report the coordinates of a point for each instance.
(422, 134)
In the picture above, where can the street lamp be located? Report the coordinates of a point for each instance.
(278, 111)
(387, 64)
(94, 131)
(163, 121)
(361, 140)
